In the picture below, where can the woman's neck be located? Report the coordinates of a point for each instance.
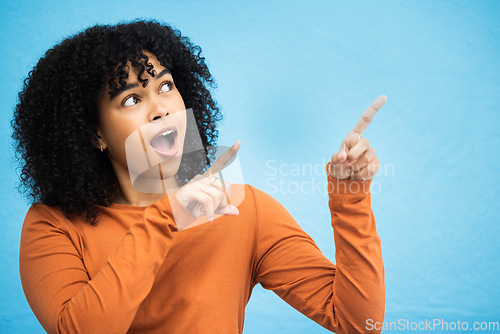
(144, 191)
(139, 199)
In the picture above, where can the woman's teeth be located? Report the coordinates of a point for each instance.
(167, 133)
(165, 141)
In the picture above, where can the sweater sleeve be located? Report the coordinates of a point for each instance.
(56, 283)
(342, 297)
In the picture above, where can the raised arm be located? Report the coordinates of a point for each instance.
(341, 298)
(56, 282)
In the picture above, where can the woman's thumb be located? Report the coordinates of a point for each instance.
(228, 209)
(341, 156)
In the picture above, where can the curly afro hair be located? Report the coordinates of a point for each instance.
(54, 121)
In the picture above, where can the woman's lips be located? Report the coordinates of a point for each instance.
(165, 141)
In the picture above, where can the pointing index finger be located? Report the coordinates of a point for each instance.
(368, 115)
(222, 161)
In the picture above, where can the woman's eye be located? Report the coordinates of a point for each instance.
(166, 86)
(130, 101)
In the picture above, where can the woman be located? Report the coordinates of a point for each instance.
(101, 255)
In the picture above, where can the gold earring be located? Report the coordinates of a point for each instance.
(102, 150)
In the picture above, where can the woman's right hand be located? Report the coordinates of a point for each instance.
(204, 195)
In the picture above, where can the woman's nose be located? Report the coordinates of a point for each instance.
(158, 110)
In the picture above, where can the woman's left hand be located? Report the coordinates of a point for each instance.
(356, 160)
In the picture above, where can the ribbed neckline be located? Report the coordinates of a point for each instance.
(116, 206)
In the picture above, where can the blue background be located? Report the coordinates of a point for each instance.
(293, 78)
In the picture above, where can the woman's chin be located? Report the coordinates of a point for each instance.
(159, 178)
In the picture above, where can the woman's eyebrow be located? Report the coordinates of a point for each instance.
(122, 89)
(135, 84)
(162, 73)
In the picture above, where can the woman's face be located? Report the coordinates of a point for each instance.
(153, 117)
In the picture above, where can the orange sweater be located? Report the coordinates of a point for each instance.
(135, 272)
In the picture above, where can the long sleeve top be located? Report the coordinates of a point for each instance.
(136, 272)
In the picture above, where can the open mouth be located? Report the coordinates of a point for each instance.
(165, 142)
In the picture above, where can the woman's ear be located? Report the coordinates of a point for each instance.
(99, 143)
